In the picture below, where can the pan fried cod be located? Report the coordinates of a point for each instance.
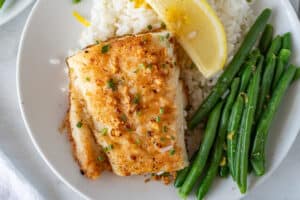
(89, 155)
(131, 91)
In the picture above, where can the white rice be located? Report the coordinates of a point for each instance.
(111, 18)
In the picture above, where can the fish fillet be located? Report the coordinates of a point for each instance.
(132, 92)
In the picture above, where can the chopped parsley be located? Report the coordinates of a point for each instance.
(97, 42)
(104, 131)
(165, 129)
(138, 113)
(149, 27)
(163, 139)
(137, 99)
(123, 117)
(168, 35)
(108, 148)
(79, 124)
(137, 141)
(162, 38)
(172, 152)
(88, 79)
(149, 66)
(101, 158)
(105, 49)
(161, 111)
(111, 84)
(158, 119)
(163, 25)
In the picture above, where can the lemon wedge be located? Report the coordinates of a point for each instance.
(198, 29)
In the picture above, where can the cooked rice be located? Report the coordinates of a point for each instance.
(111, 18)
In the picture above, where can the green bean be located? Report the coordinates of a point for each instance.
(266, 39)
(231, 71)
(275, 47)
(233, 126)
(1, 3)
(297, 75)
(246, 129)
(224, 170)
(282, 61)
(258, 151)
(247, 73)
(181, 175)
(266, 84)
(218, 146)
(202, 155)
(287, 41)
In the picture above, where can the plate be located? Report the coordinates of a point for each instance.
(49, 33)
(12, 8)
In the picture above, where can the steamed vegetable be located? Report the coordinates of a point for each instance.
(246, 129)
(282, 62)
(232, 69)
(266, 38)
(218, 147)
(203, 153)
(266, 85)
(258, 151)
(2, 3)
(274, 48)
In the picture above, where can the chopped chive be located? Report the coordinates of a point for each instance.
(138, 113)
(165, 129)
(158, 119)
(136, 99)
(137, 141)
(172, 152)
(79, 124)
(149, 66)
(162, 38)
(161, 111)
(104, 131)
(101, 158)
(111, 84)
(108, 148)
(105, 49)
(123, 117)
(168, 35)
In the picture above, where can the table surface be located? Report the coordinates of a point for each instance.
(15, 143)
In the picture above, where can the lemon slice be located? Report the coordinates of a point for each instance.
(198, 30)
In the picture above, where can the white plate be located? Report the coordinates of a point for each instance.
(50, 32)
(12, 8)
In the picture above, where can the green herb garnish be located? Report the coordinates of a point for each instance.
(123, 117)
(101, 158)
(172, 152)
(105, 49)
(104, 131)
(149, 27)
(108, 148)
(136, 99)
(161, 111)
(79, 124)
(158, 119)
(111, 84)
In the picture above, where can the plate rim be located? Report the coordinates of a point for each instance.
(37, 147)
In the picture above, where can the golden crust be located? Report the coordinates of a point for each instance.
(131, 89)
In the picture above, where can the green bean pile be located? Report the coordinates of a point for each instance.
(254, 82)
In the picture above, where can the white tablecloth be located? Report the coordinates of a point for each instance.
(23, 175)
